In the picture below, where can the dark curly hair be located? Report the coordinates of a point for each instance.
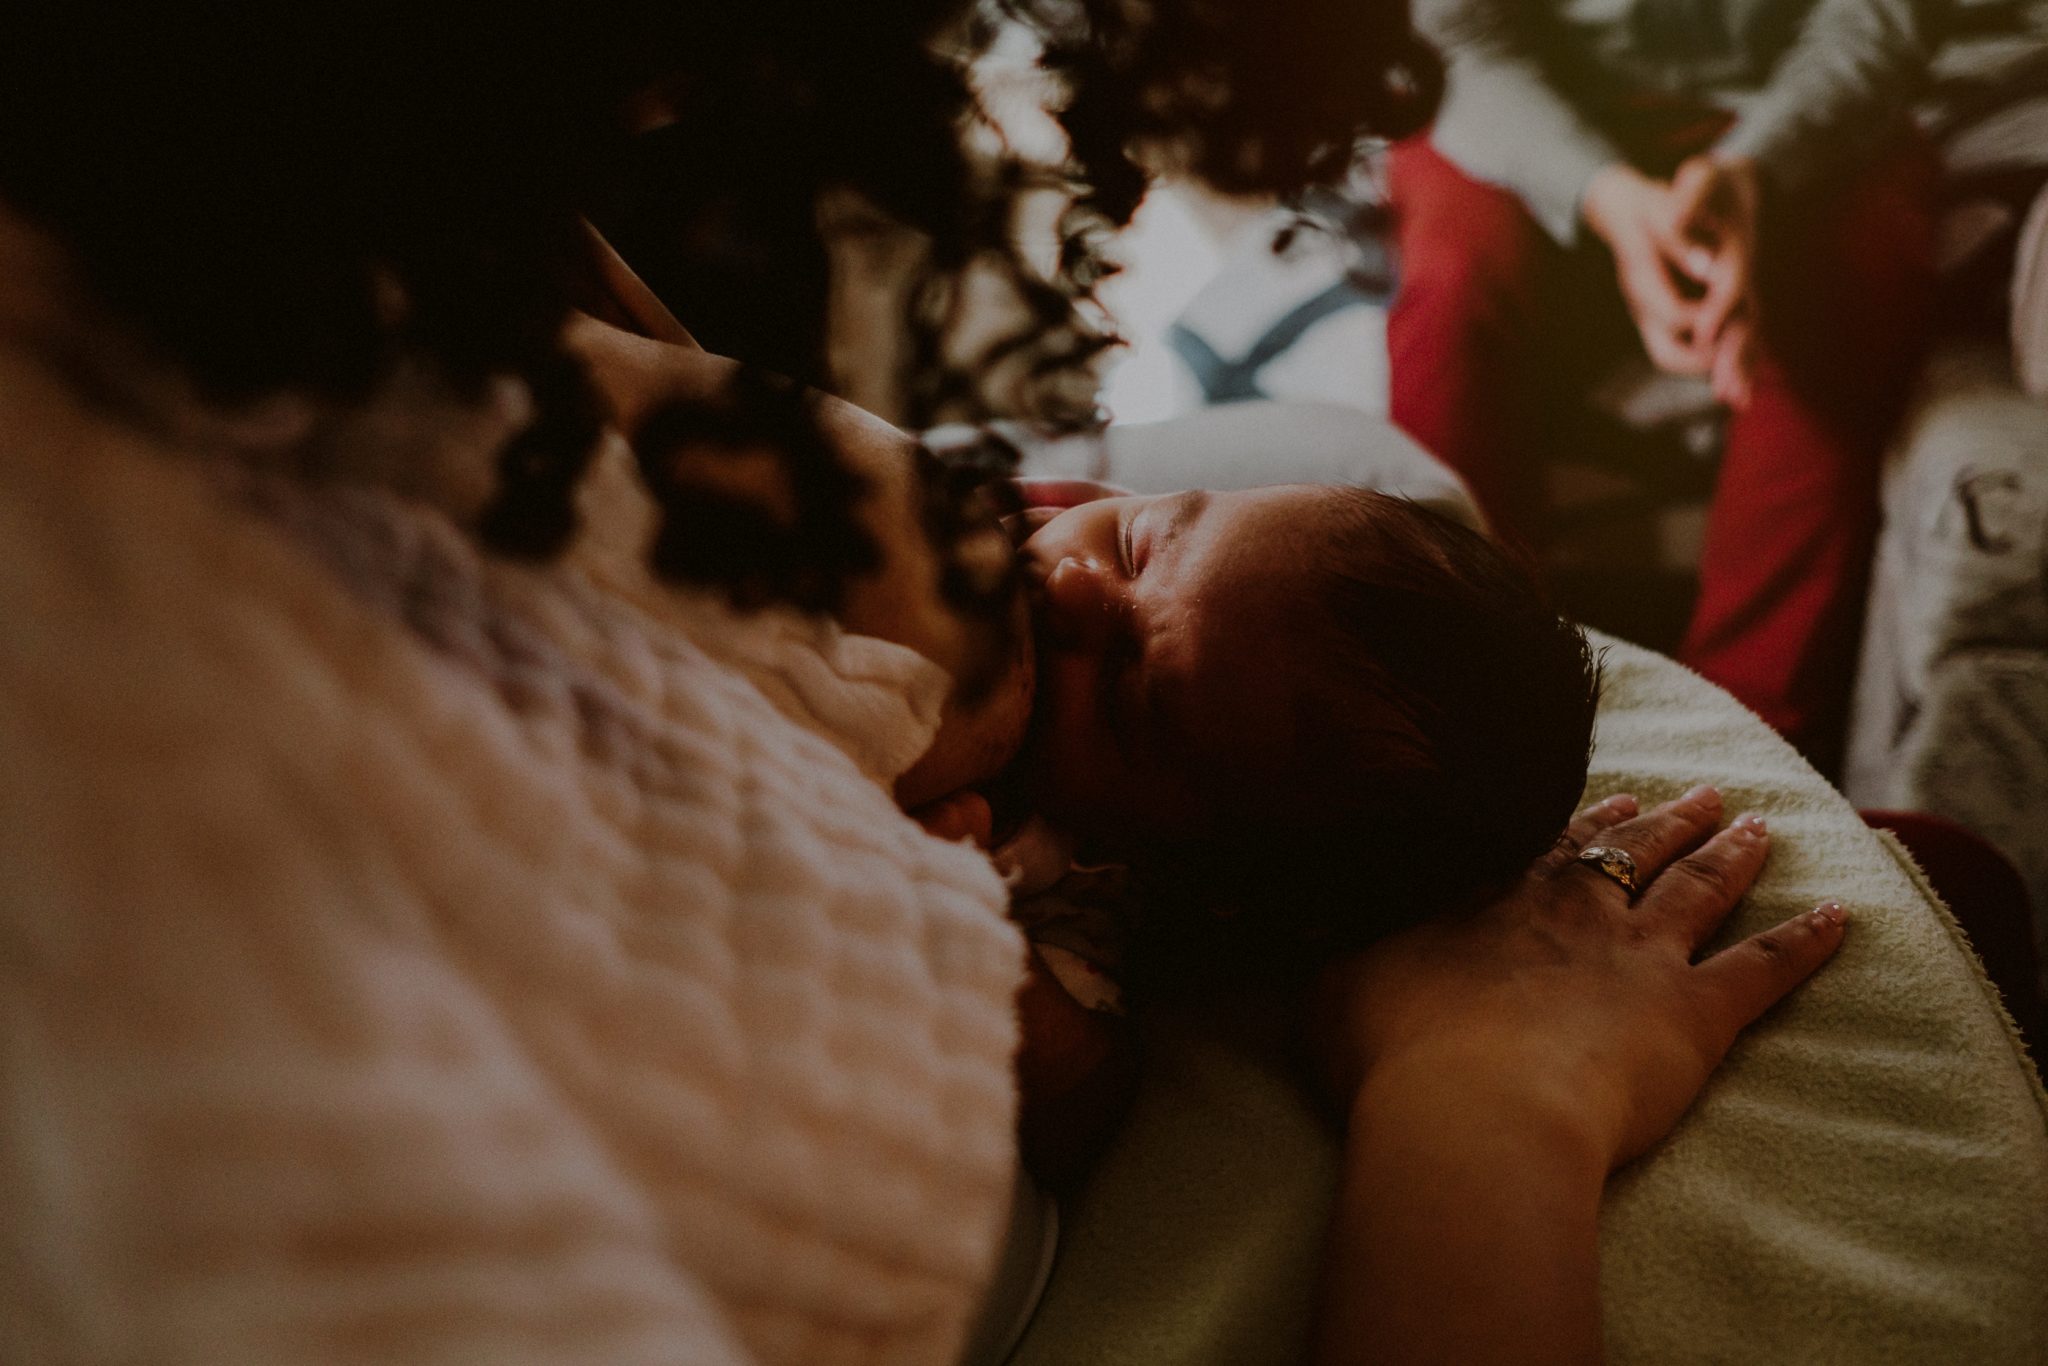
(305, 197)
(1249, 98)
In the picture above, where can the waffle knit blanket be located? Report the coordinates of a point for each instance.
(409, 957)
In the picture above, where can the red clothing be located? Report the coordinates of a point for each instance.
(1494, 320)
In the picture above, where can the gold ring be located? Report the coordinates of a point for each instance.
(1617, 864)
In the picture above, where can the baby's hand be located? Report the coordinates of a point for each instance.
(963, 815)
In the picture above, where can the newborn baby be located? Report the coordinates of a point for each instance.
(1322, 704)
(1302, 716)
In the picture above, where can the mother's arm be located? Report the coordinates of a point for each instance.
(1497, 1069)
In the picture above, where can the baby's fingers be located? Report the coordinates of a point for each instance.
(1746, 979)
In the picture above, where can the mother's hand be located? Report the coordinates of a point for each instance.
(1496, 1069)
(1569, 994)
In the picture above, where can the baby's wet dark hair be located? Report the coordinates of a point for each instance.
(1444, 726)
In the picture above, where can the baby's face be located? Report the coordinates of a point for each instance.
(1168, 643)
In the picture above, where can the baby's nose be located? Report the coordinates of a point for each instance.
(1082, 602)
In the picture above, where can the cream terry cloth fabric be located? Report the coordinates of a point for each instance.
(1865, 1181)
(408, 957)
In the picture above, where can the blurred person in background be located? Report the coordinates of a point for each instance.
(1733, 186)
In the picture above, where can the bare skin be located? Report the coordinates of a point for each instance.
(1493, 1070)
(1685, 258)
(1496, 1070)
(1167, 639)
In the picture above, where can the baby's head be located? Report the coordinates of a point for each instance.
(1306, 701)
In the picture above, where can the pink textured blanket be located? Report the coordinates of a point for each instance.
(410, 957)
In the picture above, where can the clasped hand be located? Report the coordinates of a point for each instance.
(1685, 256)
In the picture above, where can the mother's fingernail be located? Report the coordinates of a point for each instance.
(1750, 824)
(1703, 795)
(1622, 804)
(1832, 912)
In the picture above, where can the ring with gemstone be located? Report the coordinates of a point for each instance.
(1617, 864)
